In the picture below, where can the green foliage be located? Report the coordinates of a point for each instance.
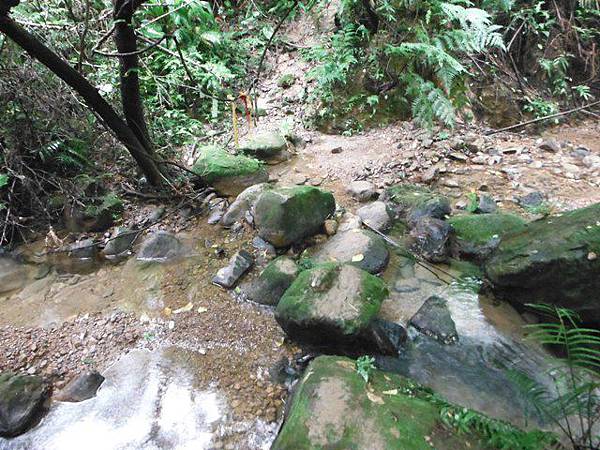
(364, 366)
(473, 204)
(541, 108)
(417, 49)
(571, 401)
(3, 180)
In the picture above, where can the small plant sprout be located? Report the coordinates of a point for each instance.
(364, 366)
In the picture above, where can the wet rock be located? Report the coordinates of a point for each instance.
(361, 248)
(216, 212)
(331, 305)
(486, 205)
(286, 215)
(433, 319)
(411, 202)
(243, 204)
(229, 174)
(120, 242)
(263, 246)
(387, 337)
(376, 215)
(429, 238)
(269, 145)
(85, 249)
(476, 236)
(83, 387)
(333, 408)
(273, 281)
(238, 265)
(159, 246)
(22, 400)
(549, 262)
(363, 191)
(156, 214)
(531, 200)
(331, 227)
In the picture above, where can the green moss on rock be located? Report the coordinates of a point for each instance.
(332, 408)
(411, 202)
(286, 81)
(331, 304)
(479, 229)
(265, 145)
(216, 163)
(286, 215)
(554, 260)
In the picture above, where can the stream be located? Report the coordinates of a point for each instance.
(175, 393)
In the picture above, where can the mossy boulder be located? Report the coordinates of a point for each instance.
(22, 402)
(286, 81)
(476, 236)
(331, 305)
(361, 248)
(229, 174)
(266, 145)
(272, 282)
(333, 408)
(411, 202)
(288, 214)
(554, 260)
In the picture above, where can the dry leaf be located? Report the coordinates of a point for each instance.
(391, 392)
(167, 311)
(375, 398)
(202, 309)
(358, 258)
(186, 308)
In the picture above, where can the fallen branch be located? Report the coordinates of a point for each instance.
(541, 119)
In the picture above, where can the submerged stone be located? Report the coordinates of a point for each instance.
(429, 239)
(229, 174)
(554, 260)
(238, 265)
(159, 246)
(22, 399)
(331, 305)
(81, 388)
(433, 319)
(286, 215)
(273, 281)
(361, 248)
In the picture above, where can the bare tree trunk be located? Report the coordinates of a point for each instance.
(75, 80)
(126, 43)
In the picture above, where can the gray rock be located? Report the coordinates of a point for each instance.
(349, 222)
(243, 204)
(531, 200)
(429, 238)
(433, 319)
(159, 246)
(286, 215)
(263, 246)
(273, 281)
(85, 249)
(22, 400)
(487, 205)
(267, 145)
(238, 265)
(550, 145)
(361, 248)
(216, 212)
(410, 202)
(387, 337)
(120, 241)
(81, 388)
(376, 215)
(363, 191)
(12, 275)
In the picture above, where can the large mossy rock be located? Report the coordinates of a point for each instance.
(333, 408)
(411, 202)
(267, 145)
(331, 305)
(272, 282)
(476, 235)
(286, 215)
(229, 174)
(554, 260)
(22, 399)
(361, 248)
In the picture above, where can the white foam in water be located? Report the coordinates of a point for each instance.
(146, 403)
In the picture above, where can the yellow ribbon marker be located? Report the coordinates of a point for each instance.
(234, 123)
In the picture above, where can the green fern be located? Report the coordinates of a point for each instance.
(571, 401)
